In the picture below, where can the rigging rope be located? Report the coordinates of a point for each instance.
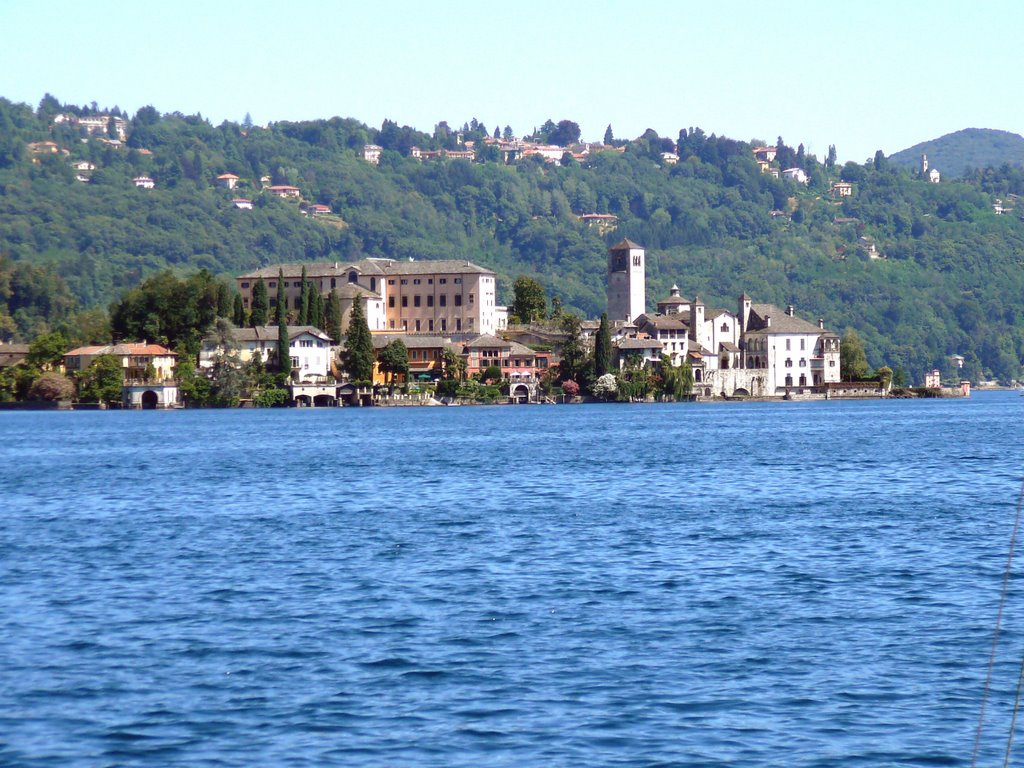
(995, 636)
(1013, 720)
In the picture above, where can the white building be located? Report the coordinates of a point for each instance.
(791, 352)
(796, 174)
(371, 153)
(309, 348)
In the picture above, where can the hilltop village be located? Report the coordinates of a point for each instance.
(437, 335)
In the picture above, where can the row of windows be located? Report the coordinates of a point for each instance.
(430, 281)
(442, 300)
(509, 362)
(425, 354)
(442, 325)
(802, 344)
(803, 362)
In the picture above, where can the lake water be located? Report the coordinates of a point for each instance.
(798, 584)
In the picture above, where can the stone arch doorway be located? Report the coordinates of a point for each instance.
(149, 400)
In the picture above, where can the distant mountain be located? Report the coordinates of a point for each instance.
(969, 148)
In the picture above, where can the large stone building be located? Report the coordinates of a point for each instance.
(450, 296)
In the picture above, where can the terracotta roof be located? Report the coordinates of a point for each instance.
(227, 176)
(122, 349)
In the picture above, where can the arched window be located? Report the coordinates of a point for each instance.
(373, 283)
(353, 276)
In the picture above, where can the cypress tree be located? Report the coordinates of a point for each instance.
(304, 300)
(603, 348)
(316, 308)
(359, 344)
(284, 358)
(238, 312)
(332, 316)
(224, 305)
(260, 304)
(281, 310)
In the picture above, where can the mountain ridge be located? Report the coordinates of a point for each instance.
(969, 148)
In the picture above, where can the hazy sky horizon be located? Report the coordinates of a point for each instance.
(862, 76)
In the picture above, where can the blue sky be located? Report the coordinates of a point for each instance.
(862, 75)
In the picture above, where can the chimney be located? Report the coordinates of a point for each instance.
(789, 310)
(767, 321)
(821, 323)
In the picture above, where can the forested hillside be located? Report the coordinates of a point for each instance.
(949, 280)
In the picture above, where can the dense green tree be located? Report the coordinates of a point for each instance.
(224, 303)
(332, 316)
(609, 137)
(238, 311)
(101, 381)
(316, 307)
(358, 345)
(168, 310)
(281, 302)
(394, 361)
(47, 351)
(284, 358)
(260, 303)
(193, 387)
(304, 296)
(574, 353)
(565, 133)
(853, 362)
(530, 303)
(603, 348)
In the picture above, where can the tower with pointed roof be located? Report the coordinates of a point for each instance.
(627, 284)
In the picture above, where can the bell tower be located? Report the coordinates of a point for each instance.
(627, 284)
